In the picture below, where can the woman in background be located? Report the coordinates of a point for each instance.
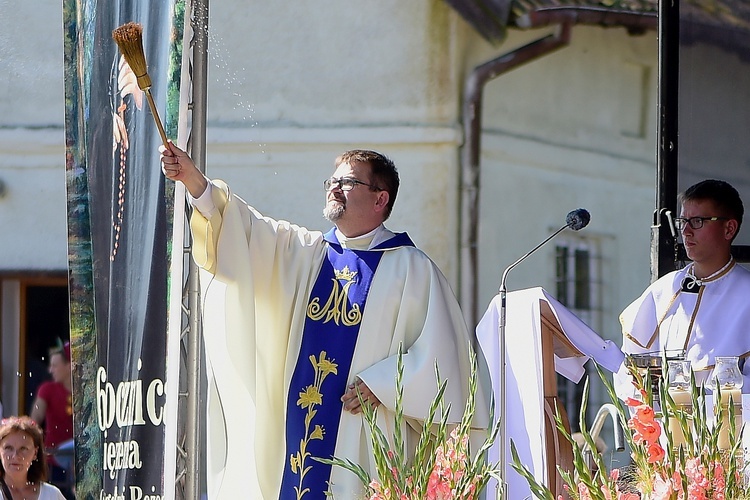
(24, 470)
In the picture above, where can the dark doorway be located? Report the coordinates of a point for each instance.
(47, 324)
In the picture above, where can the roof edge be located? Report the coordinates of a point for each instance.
(635, 22)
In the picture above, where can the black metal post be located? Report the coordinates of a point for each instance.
(662, 241)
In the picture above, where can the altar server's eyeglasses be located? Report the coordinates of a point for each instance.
(345, 184)
(694, 222)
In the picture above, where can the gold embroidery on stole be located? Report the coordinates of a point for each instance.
(335, 307)
(310, 397)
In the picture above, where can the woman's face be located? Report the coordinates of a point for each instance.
(18, 452)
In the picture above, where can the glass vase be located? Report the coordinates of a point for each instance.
(726, 383)
(680, 390)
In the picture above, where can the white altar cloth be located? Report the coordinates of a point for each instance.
(525, 396)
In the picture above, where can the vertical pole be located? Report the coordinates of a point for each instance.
(198, 153)
(503, 480)
(662, 242)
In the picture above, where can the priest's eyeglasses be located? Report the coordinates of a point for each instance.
(694, 222)
(345, 184)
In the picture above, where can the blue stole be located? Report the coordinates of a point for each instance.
(314, 407)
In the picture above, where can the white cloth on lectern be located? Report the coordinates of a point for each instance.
(524, 395)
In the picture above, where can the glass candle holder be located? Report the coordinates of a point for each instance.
(726, 383)
(679, 389)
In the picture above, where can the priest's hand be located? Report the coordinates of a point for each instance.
(351, 401)
(178, 166)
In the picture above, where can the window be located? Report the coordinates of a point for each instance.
(576, 287)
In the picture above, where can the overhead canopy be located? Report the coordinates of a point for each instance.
(488, 17)
(710, 20)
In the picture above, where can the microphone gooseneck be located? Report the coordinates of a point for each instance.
(578, 219)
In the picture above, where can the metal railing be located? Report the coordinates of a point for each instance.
(189, 466)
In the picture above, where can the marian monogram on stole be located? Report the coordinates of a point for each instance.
(336, 308)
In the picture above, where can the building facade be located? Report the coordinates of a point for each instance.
(292, 86)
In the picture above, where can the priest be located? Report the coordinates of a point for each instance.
(298, 323)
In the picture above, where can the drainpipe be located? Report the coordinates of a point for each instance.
(472, 119)
(565, 18)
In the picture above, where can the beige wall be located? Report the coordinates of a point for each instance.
(32, 156)
(575, 128)
(290, 88)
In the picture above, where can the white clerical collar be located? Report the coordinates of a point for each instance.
(691, 283)
(365, 241)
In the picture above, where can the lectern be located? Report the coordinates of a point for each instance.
(542, 338)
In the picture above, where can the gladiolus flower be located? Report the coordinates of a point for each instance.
(583, 492)
(655, 453)
(614, 474)
(662, 489)
(633, 403)
(645, 432)
(645, 413)
(628, 496)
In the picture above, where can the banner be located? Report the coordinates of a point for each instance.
(119, 250)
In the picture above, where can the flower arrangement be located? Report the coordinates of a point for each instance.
(664, 465)
(442, 467)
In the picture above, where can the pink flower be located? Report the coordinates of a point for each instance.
(583, 492)
(437, 487)
(643, 423)
(633, 403)
(696, 473)
(676, 478)
(696, 493)
(645, 414)
(655, 453)
(628, 496)
(377, 489)
(662, 489)
(644, 432)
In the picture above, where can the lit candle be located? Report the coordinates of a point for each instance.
(734, 395)
(683, 401)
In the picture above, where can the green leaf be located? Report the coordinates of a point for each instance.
(539, 491)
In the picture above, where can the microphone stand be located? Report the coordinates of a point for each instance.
(501, 332)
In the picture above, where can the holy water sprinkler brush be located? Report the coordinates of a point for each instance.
(129, 37)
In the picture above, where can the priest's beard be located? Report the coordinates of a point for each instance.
(334, 212)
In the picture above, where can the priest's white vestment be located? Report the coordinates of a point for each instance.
(257, 280)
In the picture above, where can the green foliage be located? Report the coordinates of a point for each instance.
(416, 478)
(688, 470)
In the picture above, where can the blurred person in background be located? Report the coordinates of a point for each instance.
(53, 408)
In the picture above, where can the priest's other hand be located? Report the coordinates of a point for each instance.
(351, 401)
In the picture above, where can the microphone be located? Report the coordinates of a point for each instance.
(575, 220)
(578, 219)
